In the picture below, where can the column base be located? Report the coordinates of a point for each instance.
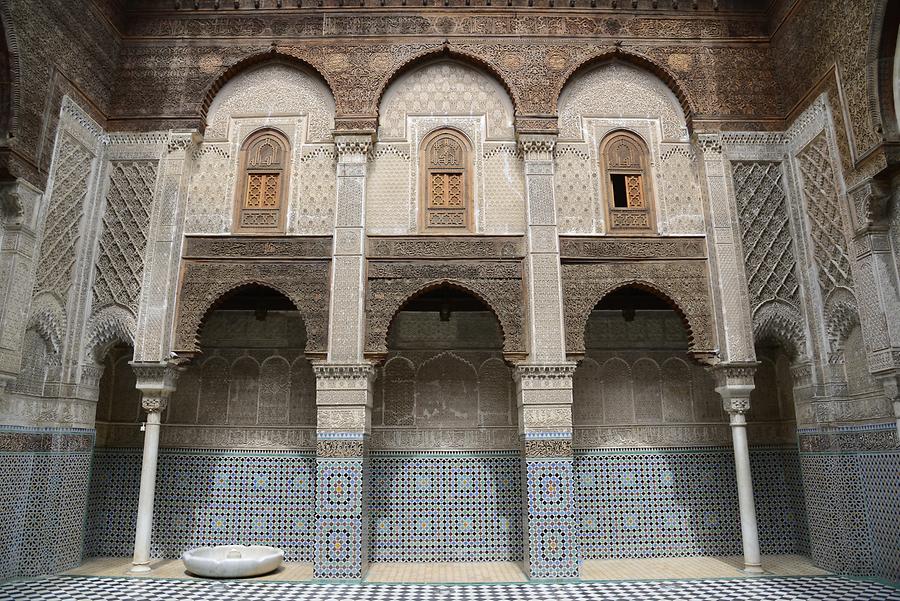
(140, 568)
(753, 569)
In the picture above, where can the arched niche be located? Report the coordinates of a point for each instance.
(637, 373)
(118, 400)
(252, 371)
(440, 88)
(266, 90)
(684, 287)
(616, 89)
(444, 367)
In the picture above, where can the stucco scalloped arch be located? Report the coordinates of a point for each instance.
(655, 289)
(444, 52)
(777, 321)
(452, 355)
(449, 283)
(107, 326)
(273, 56)
(636, 60)
(47, 318)
(194, 326)
(841, 316)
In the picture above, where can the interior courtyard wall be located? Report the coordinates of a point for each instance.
(171, 95)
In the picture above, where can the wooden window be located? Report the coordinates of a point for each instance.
(446, 172)
(624, 165)
(264, 160)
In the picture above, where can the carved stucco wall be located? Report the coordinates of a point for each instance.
(638, 386)
(277, 95)
(444, 385)
(252, 387)
(445, 94)
(613, 96)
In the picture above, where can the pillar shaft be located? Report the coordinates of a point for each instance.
(156, 381)
(344, 384)
(141, 560)
(544, 382)
(734, 384)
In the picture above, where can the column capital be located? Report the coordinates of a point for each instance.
(870, 201)
(330, 376)
(156, 379)
(353, 148)
(537, 147)
(710, 145)
(534, 376)
(734, 383)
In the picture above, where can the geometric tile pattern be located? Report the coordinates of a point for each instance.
(808, 588)
(340, 545)
(43, 496)
(853, 502)
(552, 536)
(880, 478)
(668, 502)
(432, 508)
(204, 498)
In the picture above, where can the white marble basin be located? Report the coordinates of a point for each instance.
(232, 561)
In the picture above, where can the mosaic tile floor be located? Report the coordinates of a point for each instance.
(808, 588)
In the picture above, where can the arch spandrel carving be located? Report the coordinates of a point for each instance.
(497, 285)
(204, 283)
(684, 284)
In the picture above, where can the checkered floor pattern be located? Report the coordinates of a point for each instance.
(815, 588)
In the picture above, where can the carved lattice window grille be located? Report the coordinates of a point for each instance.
(446, 173)
(624, 162)
(265, 158)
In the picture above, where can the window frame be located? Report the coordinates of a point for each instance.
(244, 173)
(425, 172)
(608, 192)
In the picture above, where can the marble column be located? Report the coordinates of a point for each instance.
(544, 381)
(344, 383)
(734, 383)
(156, 381)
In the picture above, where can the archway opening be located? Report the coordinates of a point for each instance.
(237, 449)
(775, 458)
(653, 463)
(446, 483)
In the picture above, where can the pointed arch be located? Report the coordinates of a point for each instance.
(636, 60)
(112, 324)
(445, 52)
(248, 63)
(452, 284)
(778, 322)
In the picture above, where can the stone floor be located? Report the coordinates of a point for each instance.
(767, 588)
(493, 572)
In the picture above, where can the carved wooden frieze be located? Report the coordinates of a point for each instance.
(257, 247)
(684, 282)
(606, 247)
(203, 282)
(497, 283)
(446, 247)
